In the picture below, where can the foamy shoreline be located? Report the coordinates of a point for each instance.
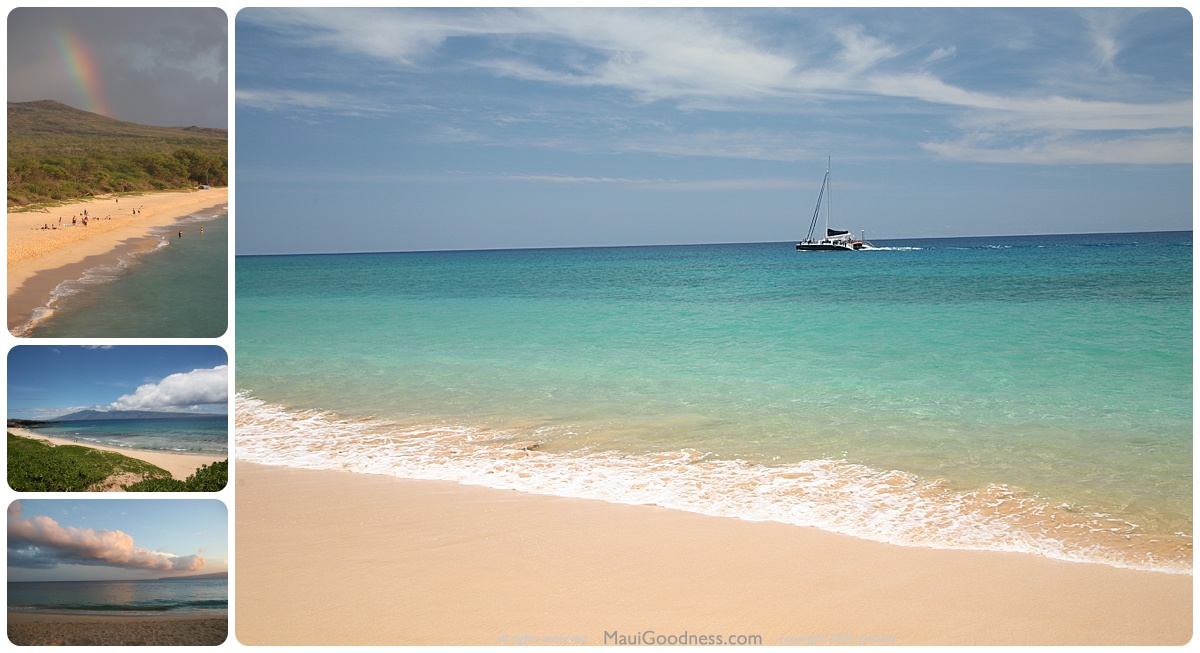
(181, 465)
(416, 555)
(40, 259)
(890, 507)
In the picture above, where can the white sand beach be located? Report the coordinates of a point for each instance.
(400, 561)
(40, 258)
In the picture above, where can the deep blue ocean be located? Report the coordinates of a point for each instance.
(197, 598)
(199, 434)
(180, 289)
(1008, 393)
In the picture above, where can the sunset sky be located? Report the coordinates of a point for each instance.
(116, 539)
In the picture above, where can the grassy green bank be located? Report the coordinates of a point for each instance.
(36, 466)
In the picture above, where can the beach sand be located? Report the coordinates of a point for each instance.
(398, 561)
(40, 259)
(103, 630)
(181, 465)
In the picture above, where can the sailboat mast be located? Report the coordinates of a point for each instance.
(829, 200)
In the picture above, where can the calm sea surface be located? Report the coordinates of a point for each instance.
(178, 290)
(199, 434)
(199, 598)
(1010, 393)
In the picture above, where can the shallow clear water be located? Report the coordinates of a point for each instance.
(200, 434)
(200, 597)
(178, 290)
(1028, 393)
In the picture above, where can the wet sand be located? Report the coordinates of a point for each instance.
(26, 629)
(401, 561)
(40, 259)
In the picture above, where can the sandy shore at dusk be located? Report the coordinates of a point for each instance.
(400, 561)
(25, 629)
(181, 465)
(40, 259)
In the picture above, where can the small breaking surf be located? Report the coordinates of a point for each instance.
(889, 506)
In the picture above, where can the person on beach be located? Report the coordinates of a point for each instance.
(181, 233)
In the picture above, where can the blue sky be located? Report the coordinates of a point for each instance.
(411, 129)
(170, 537)
(46, 381)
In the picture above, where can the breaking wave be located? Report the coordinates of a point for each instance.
(883, 505)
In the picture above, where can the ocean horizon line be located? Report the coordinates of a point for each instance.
(209, 576)
(701, 244)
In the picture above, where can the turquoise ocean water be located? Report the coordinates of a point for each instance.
(1010, 393)
(177, 290)
(207, 434)
(196, 598)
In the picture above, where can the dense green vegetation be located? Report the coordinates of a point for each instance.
(209, 478)
(56, 153)
(27, 423)
(37, 466)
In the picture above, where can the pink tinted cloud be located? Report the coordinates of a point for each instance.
(40, 542)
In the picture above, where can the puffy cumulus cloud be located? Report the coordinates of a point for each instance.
(39, 542)
(198, 387)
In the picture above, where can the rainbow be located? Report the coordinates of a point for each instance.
(79, 67)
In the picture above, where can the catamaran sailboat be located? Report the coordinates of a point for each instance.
(835, 240)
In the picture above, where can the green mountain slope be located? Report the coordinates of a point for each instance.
(57, 152)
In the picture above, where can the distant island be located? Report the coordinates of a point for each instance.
(215, 574)
(57, 152)
(98, 415)
(28, 423)
(94, 415)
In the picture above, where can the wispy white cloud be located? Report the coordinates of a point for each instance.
(1033, 112)
(402, 38)
(719, 62)
(665, 184)
(941, 53)
(566, 179)
(1069, 148)
(292, 100)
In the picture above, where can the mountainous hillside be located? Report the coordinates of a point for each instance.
(93, 415)
(57, 152)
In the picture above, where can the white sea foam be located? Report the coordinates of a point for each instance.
(839, 496)
(109, 272)
(93, 276)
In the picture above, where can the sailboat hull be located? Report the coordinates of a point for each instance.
(827, 247)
